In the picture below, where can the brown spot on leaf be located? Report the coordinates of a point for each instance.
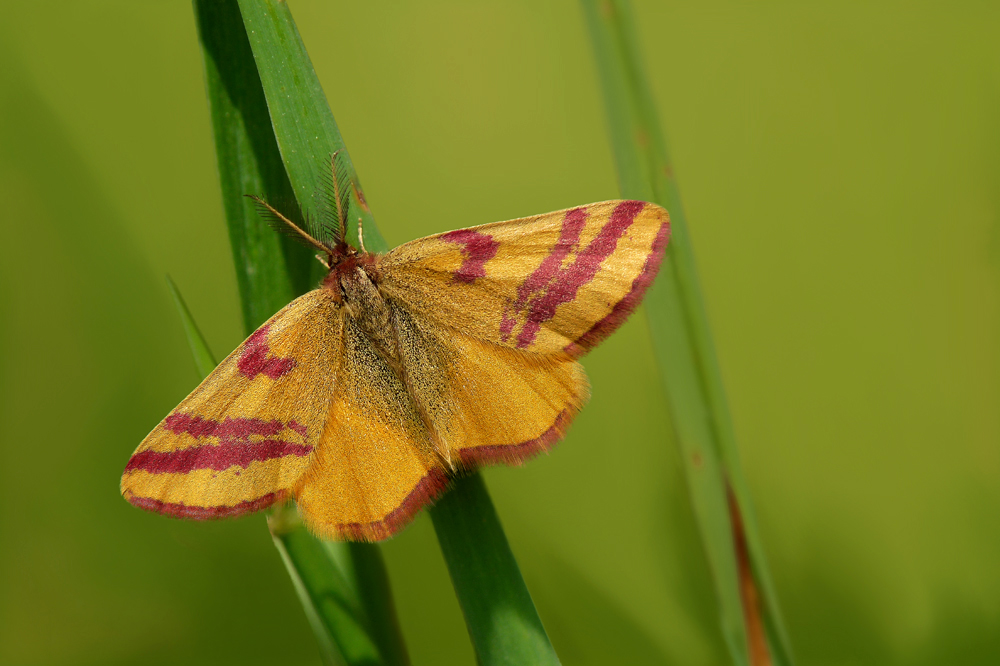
(360, 196)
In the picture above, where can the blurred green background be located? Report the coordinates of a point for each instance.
(839, 165)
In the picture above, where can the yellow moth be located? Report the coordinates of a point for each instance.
(360, 398)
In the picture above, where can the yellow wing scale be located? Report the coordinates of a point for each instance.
(487, 323)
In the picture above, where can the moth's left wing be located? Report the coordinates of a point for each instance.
(559, 282)
(243, 438)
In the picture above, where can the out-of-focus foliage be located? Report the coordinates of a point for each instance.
(839, 172)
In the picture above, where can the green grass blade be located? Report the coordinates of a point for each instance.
(304, 126)
(307, 135)
(330, 595)
(349, 612)
(296, 551)
(364, 570)
(204, 361)
(270, 268)
(502, 620)
(686, 354)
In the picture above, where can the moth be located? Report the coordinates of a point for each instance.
(361, 398)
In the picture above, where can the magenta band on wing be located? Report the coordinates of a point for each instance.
(216, 457)
(478, 249)
(569, 236)
(627, 305)
(253, 359)
(230, 428)
(583, 269)
(178, 510)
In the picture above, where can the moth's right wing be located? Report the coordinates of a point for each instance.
(491, 319)
(559, 282)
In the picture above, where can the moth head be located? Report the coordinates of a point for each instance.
(332, 249)
(328, 230)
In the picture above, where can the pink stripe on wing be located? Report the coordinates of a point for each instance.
(479, 248)
(569, 236)
(629, 303)
(583, 269)
(253, 359)
(179, 510)
(211, 456)
(230, 428)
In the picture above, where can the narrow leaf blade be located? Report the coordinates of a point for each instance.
(204, 361)
(502, 620)
(304, 126)
(270, 269)
(750, 616)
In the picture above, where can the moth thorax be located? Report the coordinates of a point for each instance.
(365, 303)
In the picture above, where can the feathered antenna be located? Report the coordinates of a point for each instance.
(336, 190)
(283, 225)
